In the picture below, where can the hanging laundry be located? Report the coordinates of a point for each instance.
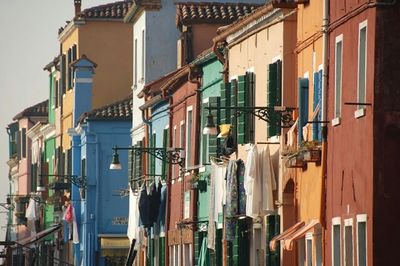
(133, 221)
(252, 183)
(75, 235)
(144, 207)
(155, 201)
(211, 209)
(219, 191)
(32, 215)
(161, 212)
(268, 180)
(231, 207)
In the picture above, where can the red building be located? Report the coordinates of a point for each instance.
(364, 133)
(184, 131)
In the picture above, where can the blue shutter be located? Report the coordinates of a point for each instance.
(317, 99)
(303, 108)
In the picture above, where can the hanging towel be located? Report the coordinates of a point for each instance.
(211, 209)
(219, 191)
(133, 221)
(31, 215)
(252, 183)
(75, 235)
(268, 180)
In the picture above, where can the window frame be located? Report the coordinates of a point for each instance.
(361, 108)
(308, 239)
(338, 113)
(348, 223)
(143, 59)
(182, 142)
(135, 71)
(188, 136)
(362, 218)
(336, 221)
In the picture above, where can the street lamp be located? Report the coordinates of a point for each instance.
(280, 116)
(79, 181)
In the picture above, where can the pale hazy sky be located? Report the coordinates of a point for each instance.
(28, 41)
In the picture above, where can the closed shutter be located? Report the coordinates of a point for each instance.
(317, 134)
(18, 141)
(69, 162)
(234, 91)
(152, 158)
(274, 96)
(303, 107)
(250, 99)
(131, 167)
(23, 142)
(213, 141)
(162, 251)
(225, 102)
(241, 102)
(197, 246)
(69, 69)
(63, 70)
(240, 245)
(165, 146)
(272, 229)
(138, 164)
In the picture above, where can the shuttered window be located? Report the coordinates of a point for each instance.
(152, 158)
(18, 141)
(225, 102)
(241, 102)
(272, 229)
(69, 69)
(210, 143)
(63, 70)
(274, 96)
(245, 97)
(164, 170)
(317, 134)
(303, 107)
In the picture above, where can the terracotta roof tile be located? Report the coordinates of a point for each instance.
(40, 109)
(121, 110)
(116, 10)
(219, 13)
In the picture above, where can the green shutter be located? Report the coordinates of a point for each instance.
(225, 102)
(274, 96)
(303, 108)
(238, 250)
(250, 100)
(241, 102)
(161, 251)
(272, 229)
(213, 141)
(165, 145)
(152, 160)
(197, 246)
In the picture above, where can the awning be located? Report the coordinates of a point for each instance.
(287, 232)
(40, 235)
(114, 245)
(299, 234)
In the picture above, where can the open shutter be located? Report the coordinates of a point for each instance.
(274, 96)
(317, 134)
(213, 141)
(152, 158)
(272, 229)
(241, 102)
(250, 99)
(162, 251)
(164, 170)
(18, 141)
(225, 102)
(23, 142)
(303, 107)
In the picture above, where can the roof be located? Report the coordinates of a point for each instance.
(40, 109)
(116, 10)
(153, 88)
(120, 110)
(219, 13)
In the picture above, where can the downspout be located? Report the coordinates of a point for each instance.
(168, 205)
(324, 109)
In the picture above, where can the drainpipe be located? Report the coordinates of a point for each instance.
(168, 203)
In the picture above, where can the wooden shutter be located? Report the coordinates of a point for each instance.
(317, 134)
(63, 70)
(303, 107)
(272, 229)
(241, 102)
(153, 159)
(162, 251)
(225, 102)
(213, 141)
(69, 69)
(250, 100)
(18, 141)
(274, 96)
(23, 142)
(164, 170)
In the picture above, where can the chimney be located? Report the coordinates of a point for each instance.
(77, 4)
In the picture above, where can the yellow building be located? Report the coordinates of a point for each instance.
(100, 34)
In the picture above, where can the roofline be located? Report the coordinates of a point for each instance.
(234, 27)
(137, 8)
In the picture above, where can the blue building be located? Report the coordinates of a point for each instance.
(104, 208)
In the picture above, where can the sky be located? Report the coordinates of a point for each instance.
(28, 41)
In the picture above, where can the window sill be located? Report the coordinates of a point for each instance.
(336, 121)
(359, 113)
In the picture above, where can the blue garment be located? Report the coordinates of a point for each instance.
(241, 190)
(231, 207)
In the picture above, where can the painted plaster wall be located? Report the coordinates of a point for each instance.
(102, 196)
(178, 116)
(350, 159)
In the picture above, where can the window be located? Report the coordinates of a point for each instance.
(189, 130)
(338, 75)
(187, 249)
(135, 74)
(303, 108)
(69, 53)
(317, 104)
(181, 139)
(274, 94)
(165, 145)
(348, 242)
(152, 158)
(63, 70)
(23, 142)
(174, 145)
(301, 258)
(362, 63)
(209, 143)
(143, 50)
(309, 249)
(245, 97)
(336, 247)
(362, 239)
(318, 246)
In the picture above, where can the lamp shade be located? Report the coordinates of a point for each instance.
(115, 164)
(210, 128)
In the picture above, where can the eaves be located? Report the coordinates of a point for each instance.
(254, 26)
(70, 28)
(137, 8)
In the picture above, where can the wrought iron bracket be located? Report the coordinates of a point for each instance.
(280, 116)
(79, 181)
